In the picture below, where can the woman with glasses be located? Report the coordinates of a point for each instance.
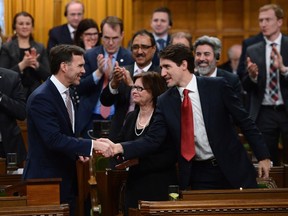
(87, 34)
(149, 178)
(24, 55)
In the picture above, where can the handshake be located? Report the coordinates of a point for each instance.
(106, 147)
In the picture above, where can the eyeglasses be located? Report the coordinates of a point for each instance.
(108, 39)
(143, 47)
(138, 88)
(91, 34)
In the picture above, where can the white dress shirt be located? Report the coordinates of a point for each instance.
(203, 149)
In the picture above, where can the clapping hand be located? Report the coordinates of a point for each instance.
(252, 69)
(104, 66)
(29, 59)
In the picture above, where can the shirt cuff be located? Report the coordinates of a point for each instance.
(113, 91)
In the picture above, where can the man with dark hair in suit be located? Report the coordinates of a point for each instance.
(211, 156)
(99, 64)
(118, 91)
(64, 34)
(12, 108)
(161, 22)
(53, 148)
(207, 53)
(266, 81)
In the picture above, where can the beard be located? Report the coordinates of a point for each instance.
(206, 70)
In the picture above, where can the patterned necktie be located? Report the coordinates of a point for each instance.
(161, 43)
(187, 128)
(273, 87)
(69, 105)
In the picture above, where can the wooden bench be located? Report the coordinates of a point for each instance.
(232, 194)
(37, 197)
(256, 207)
(42, 210)
(280, 175)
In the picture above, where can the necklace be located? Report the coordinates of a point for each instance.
(143, 126)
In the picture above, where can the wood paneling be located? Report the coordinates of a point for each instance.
(229, 20)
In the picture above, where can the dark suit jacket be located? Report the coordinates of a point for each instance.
(226, 66)
(59, 35)
(88, 91)
(156, 60)
(12, 108)
(121, 101)
(53, 149)
(10, 57)
(245, 44)
(218, 102)
(149, 180)
(232, 79)
(256, 90)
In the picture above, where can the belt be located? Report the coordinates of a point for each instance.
(209, 162)
(275, 107)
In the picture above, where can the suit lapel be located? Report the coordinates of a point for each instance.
(204, 95)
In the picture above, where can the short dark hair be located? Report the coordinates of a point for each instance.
(145, 32)
(178, 53)
(165, 10)
(63, 53)
(153, 83)
(72, 2)
(82, 27)
(112, 21)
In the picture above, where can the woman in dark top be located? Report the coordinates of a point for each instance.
(87, 34)
(150, 178)
(24, 55)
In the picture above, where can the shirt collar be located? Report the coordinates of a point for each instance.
(60, 87)
(277, 40)
(145, 69)
(71, 29)
(165, 37)
(192, 86)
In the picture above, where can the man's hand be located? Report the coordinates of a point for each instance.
(103, 147)
(116, 148)
(117, 76)
(278, 60)
(83, 159)
(252, 69)
(264, 167)
(104, 65)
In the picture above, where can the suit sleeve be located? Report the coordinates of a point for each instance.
(245, 123)
(48, 119)
(14, 103)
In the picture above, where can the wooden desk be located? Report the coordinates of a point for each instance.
(233, 194)
(256, 207)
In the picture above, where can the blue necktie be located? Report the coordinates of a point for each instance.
(161, 43)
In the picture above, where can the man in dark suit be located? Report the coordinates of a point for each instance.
(206, 65)
(245, 44)
(118, 91)
(53, 148)
(266, 85)
(12, 108)
(161, 23)
(220, 160)
(64, 34)
(234, 53)
(99, 63)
